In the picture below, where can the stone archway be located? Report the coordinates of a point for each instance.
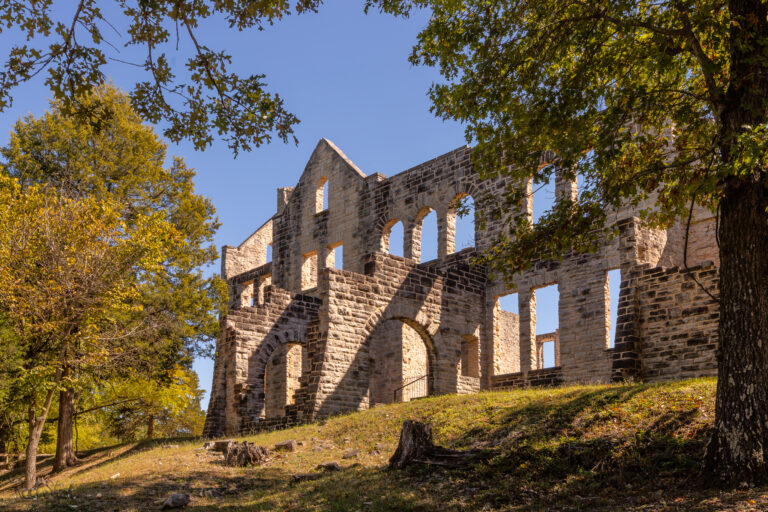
(275, 368)
(402, 361)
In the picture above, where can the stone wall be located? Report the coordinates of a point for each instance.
(667, 324)
(306, 336)
(363, 317)
(542, 377)
(250, 369)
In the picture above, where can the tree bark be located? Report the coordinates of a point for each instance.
(4, 435)
(150, 426)
(35, 424)
(738, 449)
(65, 453)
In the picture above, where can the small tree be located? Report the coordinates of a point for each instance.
(169, 407)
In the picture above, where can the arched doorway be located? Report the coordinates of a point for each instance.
(282, 378)
(401, 361)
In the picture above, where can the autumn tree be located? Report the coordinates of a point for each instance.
(10, 410)
(173, 313)
(66, 268)
(70, 45)
(168, 407)
(664, 100)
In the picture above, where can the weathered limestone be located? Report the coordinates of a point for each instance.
(307, 336)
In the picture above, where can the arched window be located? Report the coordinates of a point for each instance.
(321, 195)
(543, 197)
(392, 237)
(269, 253)
(463, 208)
(428, 240)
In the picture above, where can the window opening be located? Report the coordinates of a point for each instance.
(506, 335)
(335, 257)
(543, 197)
(465, 224)
(546, 319)
(295, 356)
(429, 237)
(395, 238)
(613, 288)
(321, 195)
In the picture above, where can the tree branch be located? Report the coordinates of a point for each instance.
(707, 65)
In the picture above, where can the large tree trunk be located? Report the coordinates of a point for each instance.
(150, 426)
(738, 450)
(65, 453)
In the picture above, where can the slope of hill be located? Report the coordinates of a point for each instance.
(633, 446)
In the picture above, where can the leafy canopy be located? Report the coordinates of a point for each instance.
(639, 99)
(101, 256)
(174, 307)
(72, 43)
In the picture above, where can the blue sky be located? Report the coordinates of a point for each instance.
(345, 74)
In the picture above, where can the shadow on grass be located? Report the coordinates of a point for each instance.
(89, 459)
(259, 488)
(604, 449)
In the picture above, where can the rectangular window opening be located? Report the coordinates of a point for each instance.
(543, 197)
(548, 354)
(506, 334)
(509, 303)
(613, 289)
(264, 281)
(246, 294)
(546, 313)
(336, 256)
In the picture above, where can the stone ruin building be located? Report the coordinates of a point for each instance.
(307, 336)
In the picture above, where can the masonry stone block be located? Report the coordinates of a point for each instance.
(303, 340)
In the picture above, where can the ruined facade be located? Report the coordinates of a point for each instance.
(307, 336)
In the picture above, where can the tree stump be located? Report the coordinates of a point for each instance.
(245, 454)
(416, 446)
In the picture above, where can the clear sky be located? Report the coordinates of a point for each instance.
(343, 73)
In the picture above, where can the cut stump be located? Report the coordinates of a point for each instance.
(245, 454)
(416, 447)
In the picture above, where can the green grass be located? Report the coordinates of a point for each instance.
(632, 447)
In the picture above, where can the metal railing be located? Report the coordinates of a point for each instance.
(417, 388)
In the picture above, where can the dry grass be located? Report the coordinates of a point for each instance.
(635, 447)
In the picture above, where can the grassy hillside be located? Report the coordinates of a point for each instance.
(635, 447)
